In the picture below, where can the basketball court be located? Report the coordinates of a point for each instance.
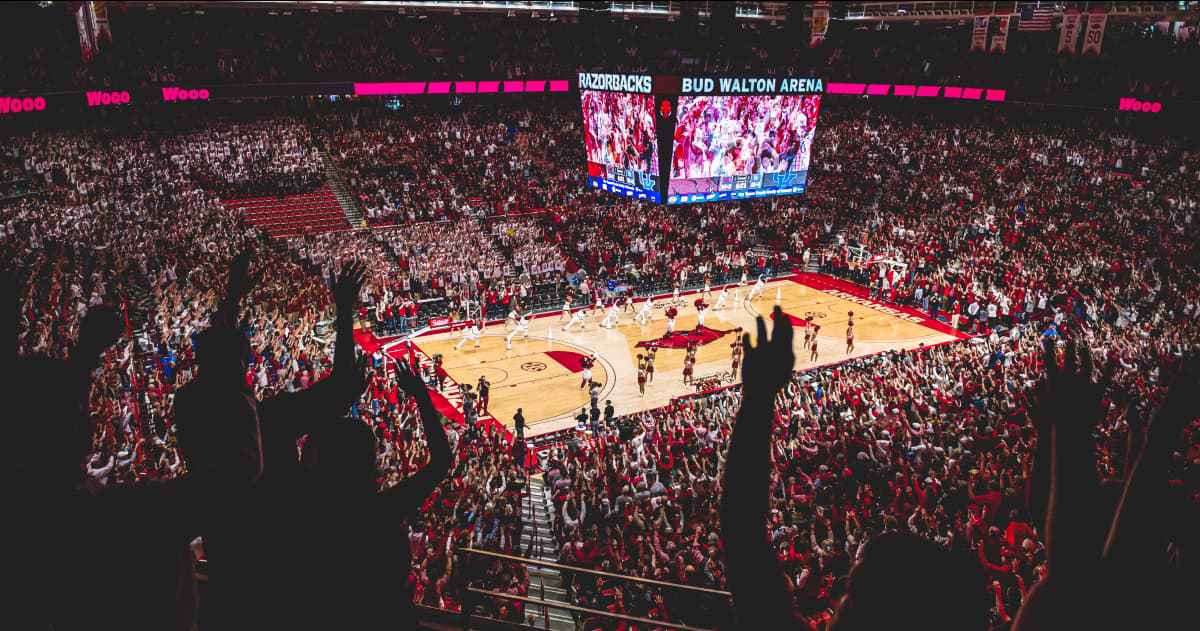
(542, 374)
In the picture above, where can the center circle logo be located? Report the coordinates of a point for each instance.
(533, 366)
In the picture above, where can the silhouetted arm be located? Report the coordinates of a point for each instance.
(289, 416)
(407, 496)
(1038, 492)
(1074, 528)
(760, 592)
(1070, 405)
(236, 289)
(1137, 536)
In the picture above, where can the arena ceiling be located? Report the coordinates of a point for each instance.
(767, 11)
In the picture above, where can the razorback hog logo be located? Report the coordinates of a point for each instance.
(16, 105)
(97, 99)
(183, 94)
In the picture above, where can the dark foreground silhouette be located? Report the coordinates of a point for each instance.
(1107, 569)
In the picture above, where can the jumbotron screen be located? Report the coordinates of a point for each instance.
(741, 146)
(621, 142)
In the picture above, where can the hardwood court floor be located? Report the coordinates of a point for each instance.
(540, 374)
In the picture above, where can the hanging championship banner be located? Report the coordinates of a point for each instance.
(1093, 38)
(1000, 39)
(979, 33)
(820, 23)
(1069, 32)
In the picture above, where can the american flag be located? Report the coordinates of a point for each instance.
(1035, 19)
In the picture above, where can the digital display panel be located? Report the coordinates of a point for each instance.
(621, 143)
(729, 147)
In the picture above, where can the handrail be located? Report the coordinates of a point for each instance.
(571, 568)
(577, 608)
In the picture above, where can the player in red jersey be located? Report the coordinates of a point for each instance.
(672, 312)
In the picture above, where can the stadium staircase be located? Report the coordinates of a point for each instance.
(337, 182)
(537, 539)
(293, 215)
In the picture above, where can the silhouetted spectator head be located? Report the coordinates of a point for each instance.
(900, 571)
(221, 352)
(341, 456)
(217, 425)
(48, 404)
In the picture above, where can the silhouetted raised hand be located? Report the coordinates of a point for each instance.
(768, 366)
(1104, 570)
(760, 591)
(347, 284)
(1070, 402)
(897, 569)
(1138, 536)
(241, 282)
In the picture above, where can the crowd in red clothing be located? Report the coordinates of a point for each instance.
(432, 164)
(1001, 229)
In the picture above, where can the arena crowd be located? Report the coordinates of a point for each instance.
(1010, 227)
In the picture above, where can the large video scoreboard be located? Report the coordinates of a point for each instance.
(683, 140)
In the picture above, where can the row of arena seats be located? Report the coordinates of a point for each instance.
(293, 215)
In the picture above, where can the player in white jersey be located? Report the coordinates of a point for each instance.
(675, 295)
(469, 333)
(566, 312)
(522, 328)
(721, 297)
(576, 318)
(758, 289)
(611, 316)
(645, 312)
